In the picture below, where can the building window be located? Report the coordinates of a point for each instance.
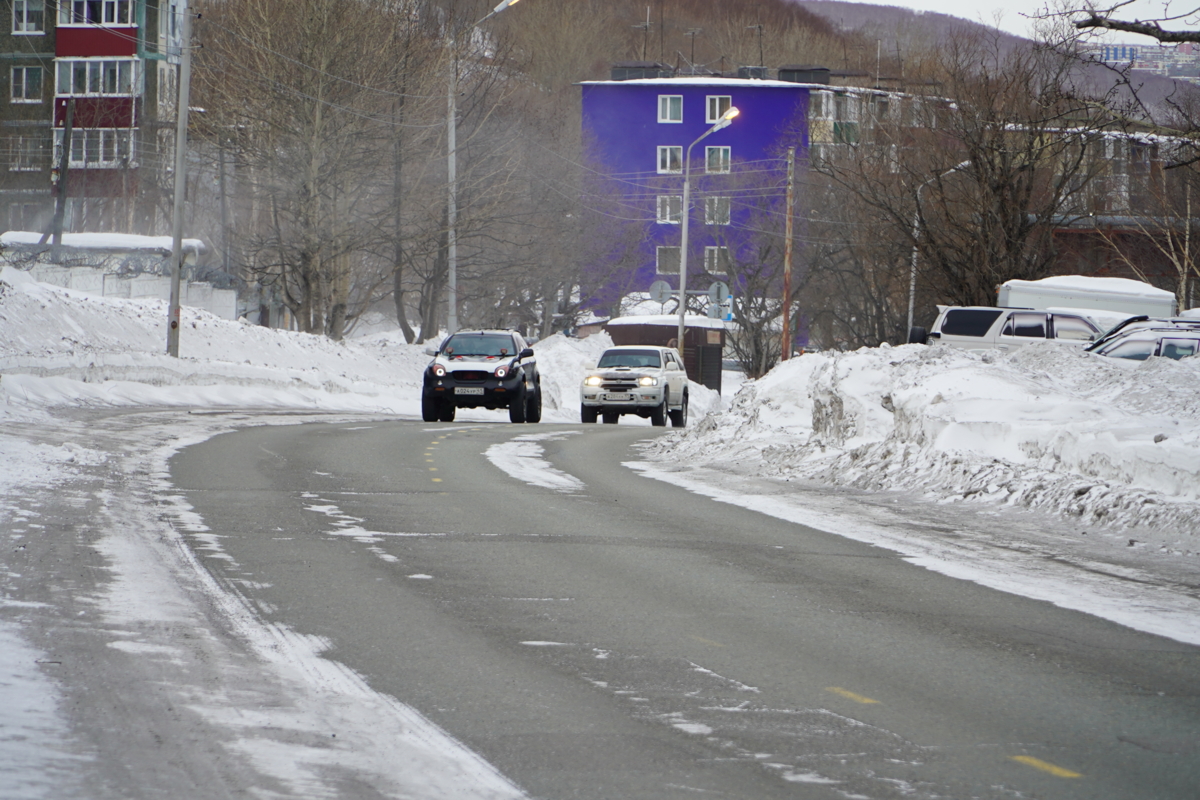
(670, 209)
(103, 147)
(27, 154)
(666, 260)
(716, 210)
(29, 16)
(670, 108)
(95, 12)
(670, 159)
(718, 104)
(97, 77)
(716, 159)
(716, 260)
(27, 84)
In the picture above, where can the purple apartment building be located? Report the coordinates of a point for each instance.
(636, 131)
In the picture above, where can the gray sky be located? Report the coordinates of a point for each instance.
(1011, 11)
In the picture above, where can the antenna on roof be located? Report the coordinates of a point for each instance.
(645, 28)
(759, 28)
(692, 61)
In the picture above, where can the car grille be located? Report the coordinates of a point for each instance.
(614, 386)
(469, 375)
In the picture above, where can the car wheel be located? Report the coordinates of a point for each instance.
(533, 409)
(918, 335)
(658, 414)
(611, 417)
(446, 412)
(588, 413)
(429, 408)
(516, 408)
(679, 416)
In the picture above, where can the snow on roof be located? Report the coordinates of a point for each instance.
(104, 241)
(1123, 286)
(692, 321)
(745, 83)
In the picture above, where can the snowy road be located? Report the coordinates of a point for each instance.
(592, 633)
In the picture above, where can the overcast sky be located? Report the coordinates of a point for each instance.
(1011, 11)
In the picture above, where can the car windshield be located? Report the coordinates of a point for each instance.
(489, 345)
(630, 358)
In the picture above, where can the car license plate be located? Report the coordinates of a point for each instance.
(468, 390)
(618, 396)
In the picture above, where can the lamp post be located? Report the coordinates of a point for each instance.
(916, 233)
(452, 174)
(723, 122)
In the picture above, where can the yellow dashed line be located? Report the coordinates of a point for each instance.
(437, 480)
(1046, 766)
(849, 695)
(433, 469)
(707, 641)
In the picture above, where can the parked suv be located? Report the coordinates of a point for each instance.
(482, 369)
(636, 379)
(980, 328)
(1140, 338)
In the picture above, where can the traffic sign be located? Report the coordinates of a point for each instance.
(661, 291)
(718, 292)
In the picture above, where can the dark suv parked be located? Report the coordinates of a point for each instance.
(482, 369)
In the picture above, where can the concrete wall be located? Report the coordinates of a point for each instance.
(221, 302)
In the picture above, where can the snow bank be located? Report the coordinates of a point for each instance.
(60, 347)
(1047, 427)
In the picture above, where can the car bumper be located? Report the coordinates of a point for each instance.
(641, 397)
(491, 393)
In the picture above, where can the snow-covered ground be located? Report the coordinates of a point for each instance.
(1045, 472)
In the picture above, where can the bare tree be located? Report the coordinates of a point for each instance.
(977, 179)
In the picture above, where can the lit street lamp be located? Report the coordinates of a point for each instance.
(723, 122)
(452, 172)
(916, 233)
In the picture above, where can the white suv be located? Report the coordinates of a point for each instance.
(636, 379)
(979, 328)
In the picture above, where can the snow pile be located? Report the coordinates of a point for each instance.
(59, 347)
(1045, 427)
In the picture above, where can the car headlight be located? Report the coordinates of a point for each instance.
(592, 380)
(439, 370)
(647, 380)
(502, 371)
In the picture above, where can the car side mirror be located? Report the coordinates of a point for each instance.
(431, 351)
(526, 353)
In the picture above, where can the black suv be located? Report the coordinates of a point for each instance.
(482, 369)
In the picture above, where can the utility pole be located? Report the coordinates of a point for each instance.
(183, 97)
(785, 348)
(64, 163)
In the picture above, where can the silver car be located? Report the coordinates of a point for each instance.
(636, 379)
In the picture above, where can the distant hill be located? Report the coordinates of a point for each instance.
(893, 25)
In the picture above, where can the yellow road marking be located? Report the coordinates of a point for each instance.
(437, 480)
(1046, 766)
(433, 469)
(849, 695)
(707, 641)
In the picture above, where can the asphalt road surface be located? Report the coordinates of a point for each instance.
(628, 639)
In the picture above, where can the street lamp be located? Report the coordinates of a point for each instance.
(723, 122)
(916, 233)
(452, 172)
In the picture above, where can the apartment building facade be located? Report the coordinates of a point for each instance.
(95, 66)
(637, 129)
